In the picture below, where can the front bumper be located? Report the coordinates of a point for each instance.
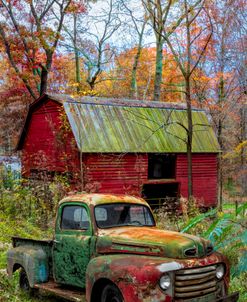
(210, 298)
(230, 298)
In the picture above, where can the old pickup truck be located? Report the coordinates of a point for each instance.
(107, 248)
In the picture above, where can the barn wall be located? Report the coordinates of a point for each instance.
(114, 173)
(125, 174)
(47, 145)
(204, 177)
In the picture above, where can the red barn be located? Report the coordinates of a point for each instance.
(120, 146)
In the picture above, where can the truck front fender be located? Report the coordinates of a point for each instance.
(137, 277)
(33, 260)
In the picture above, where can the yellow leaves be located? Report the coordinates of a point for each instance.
(85, 92)
(240, 148)
(77, 89)
(74, 85)
(90, 92)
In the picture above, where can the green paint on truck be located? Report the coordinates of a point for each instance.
(108, 248)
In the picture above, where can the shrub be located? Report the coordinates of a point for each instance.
(32, 200)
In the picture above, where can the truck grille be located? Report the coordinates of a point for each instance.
(195, 282)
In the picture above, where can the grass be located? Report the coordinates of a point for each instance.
(239, 284)
(9, 287)
(9, 291)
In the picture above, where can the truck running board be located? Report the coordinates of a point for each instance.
(62, 291)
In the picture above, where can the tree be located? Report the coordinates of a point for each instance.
(92, 43)
(14, 100)
(192, 38)
(162, 14)
(121, 75)
(225, 69)
(158, 13)
(30, 32)
(77, 15)
(139, 24)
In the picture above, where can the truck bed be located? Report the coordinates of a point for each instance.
(46, 245)
(17, 241)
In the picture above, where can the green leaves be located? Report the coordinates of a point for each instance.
(227, 232)
(218, 228)
(198, 219)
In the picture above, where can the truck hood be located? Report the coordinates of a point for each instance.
(151, 241)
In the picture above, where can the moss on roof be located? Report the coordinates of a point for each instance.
(127, 127)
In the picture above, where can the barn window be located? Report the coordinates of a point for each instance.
(161, 166)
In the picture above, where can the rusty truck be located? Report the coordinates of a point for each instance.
(107, 248)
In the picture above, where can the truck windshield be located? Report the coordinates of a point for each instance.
(119, 214)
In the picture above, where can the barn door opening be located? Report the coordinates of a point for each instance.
(158, 195)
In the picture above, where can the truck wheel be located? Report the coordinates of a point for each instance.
(111, 293)
(24, 283)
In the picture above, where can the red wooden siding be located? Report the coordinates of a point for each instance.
(204, 177)
(45, 146)
(116, 173)
(125, 174)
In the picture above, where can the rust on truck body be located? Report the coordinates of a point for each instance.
(133, 257)
(97, 199)
(69, 294)
(146, 240)
(140, 276)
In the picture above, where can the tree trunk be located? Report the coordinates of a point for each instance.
(219, 137)
(77, 70)
(220, 173)
(243, 123)
(45, 72)
(187, 78)
(81, 171)
(92, 84)
(158, 69)
(133, 88)
(77, 59)
(189, 138)
(43, 80)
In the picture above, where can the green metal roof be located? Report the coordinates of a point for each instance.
(124, 128)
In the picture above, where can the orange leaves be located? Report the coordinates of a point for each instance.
(77, 7)
(119, 83)
(31, 33)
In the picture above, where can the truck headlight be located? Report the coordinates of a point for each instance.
(165, 281)
(220, 271)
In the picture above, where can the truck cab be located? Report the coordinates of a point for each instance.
(107, 248)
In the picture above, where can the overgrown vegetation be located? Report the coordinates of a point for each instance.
(28, 210)
(34, 201)
(227, 231)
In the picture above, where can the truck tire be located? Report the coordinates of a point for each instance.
(24, 283)
(111, 293)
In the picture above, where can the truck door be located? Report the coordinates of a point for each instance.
(72, 244)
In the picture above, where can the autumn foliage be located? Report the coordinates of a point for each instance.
(69, 47)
